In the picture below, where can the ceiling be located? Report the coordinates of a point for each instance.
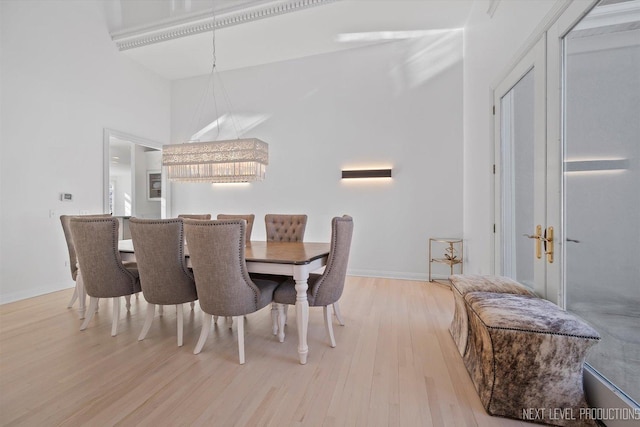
(320, 26)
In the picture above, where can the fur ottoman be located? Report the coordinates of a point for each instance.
(463, 284)
(525, 357)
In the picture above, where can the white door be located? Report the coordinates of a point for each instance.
(520, 172)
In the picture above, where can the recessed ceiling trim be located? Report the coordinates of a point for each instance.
(204, 22)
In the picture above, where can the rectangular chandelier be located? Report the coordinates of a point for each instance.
(236, 160)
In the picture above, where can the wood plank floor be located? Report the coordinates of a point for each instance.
(395, 364)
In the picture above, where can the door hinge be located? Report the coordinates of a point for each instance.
(494, 228)
(494, 169)
(494, 110)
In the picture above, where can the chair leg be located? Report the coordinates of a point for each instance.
(128, 304)
(93, 303)
(151, 311)
(193, 305)
(240, 321)
(286, 312)
(74, 297)
(282, 317)
(329, 324)
(215, 319)
(116, 316)
(204, 333)
(274, 318)
(336, 311)
(161, 310)
(179, 315)
(229, 321)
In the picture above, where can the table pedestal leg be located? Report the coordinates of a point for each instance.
(302, 314)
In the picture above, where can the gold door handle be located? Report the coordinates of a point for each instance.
(548, 244)
(538, 237)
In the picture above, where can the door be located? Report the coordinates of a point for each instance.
(520, 178)
(598, 181)
(572, 180)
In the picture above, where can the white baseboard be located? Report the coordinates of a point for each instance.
(420, 277)
(33, 292)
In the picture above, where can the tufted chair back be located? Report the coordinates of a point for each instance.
(195, 216)
(96, 244)
(73, 260)
(285, 228)
(249, 218)
(328, 288)
(217, 252)
(164, 276)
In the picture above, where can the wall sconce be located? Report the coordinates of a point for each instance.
(366, 173)
(595, 165)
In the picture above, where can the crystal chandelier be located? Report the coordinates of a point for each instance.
(236, 160)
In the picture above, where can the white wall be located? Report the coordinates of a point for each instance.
(62, 82)
(398, 104)
(490, 46)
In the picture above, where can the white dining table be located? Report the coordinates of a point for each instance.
(295, 259)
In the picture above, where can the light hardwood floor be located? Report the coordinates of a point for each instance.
(395, 364)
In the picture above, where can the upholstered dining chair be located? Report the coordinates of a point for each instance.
(73, 260)
(164, 276)
(217, 251)
(195, 216)
(102, 269)
(285, 228)
(324, 289)
(249, 218)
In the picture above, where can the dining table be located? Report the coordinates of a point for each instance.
(294, 259)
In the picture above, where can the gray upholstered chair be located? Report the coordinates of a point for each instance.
(249, 218)
(217, 251)
(324, 289)
(102, 269)
(195, 216)
(164, 276)
(285, 228)
(73, 260)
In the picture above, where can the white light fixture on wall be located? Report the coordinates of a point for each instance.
(228, 161)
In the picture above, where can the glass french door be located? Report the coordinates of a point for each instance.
(567, 184)
(520, 177)
(600, 186)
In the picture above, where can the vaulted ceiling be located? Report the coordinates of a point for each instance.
(175, 38)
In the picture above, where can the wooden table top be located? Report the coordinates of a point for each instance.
(296, 253)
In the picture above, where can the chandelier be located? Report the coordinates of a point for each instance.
(236, 160)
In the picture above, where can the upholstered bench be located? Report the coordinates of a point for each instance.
(463, 284)
(526, 354)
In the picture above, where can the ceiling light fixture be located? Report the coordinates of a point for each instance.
(234, 160)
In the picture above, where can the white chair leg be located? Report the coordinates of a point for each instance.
(229, 321)
(329, 324)
(215, 319)
(286, 312)
(116, 316)
(151, 311)
(74, 297)
(274, 318)
(180, 317)
(282, 317)
(240, 320)
(161, 310)
(128, 304)
(93, 303)
(336, 311)
(204, 333)
(193, 305)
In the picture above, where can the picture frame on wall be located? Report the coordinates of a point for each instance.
(154, 185)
